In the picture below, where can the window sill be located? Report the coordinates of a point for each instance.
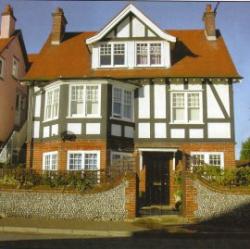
(49, 120)
(186, 123)
(83, 117)
(122, 119)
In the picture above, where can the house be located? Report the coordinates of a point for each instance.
(132, 91)
(13, 96)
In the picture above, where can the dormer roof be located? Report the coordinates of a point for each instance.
(125, 12)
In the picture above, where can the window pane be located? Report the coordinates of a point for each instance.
(105, 54)
(193, 107)
(215, 160)
(142, 53)
(77, 100)
(1, 67)
(127, 104)
(119, 54)
(198, 160)
(155, 54)
(117, 102)
(75, 161)
(178, 107)
(52, 104)
(90, 161)
(92, 99)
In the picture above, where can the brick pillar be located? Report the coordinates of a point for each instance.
(131, 195)
(189, 203)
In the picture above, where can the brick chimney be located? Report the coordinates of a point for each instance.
(59, 25)
(209, 22)
(8, 22)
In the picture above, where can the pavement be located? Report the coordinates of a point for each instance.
(167, 226)
(69, 227)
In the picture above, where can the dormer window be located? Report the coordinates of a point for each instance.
(112, 54)
(105, 54)
(148, 54)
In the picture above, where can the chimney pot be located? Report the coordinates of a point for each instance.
(59, 25)
(209, 22)
(8, 22)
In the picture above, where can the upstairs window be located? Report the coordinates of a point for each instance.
(122, 103)
(105, 54)
(112, 54)
(51, 104)
(148, 54)
(85, 101)
(1, 67)
(15, 68)
(119, 54)
(186, 107)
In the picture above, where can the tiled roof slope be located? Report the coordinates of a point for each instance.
(4, 42)
(193, 56)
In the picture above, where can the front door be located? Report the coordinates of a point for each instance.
(157, 179)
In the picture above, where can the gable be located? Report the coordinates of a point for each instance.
(130, 23)
(131, 27)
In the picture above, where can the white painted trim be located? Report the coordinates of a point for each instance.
(157, 149)
(130, 8)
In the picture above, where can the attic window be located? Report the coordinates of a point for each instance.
(112, 54)
(15, 68)
(105, 54)
(148, 54)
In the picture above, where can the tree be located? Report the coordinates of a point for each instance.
(245, 150)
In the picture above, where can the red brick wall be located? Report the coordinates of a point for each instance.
(189, 204)
(131, 195)
(62, 147)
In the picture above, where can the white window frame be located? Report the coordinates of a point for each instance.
(206, 157)
(51, 153)
(115, 116)
(84, 114)
(112, 54)
(2, 69)
(52, 89)
(83, 153)
(15, 69)
(148, 64)
(185, 120)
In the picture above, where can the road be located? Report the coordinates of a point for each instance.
(29, 241)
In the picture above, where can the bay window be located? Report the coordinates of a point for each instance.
(85, 101)
(51, 104)
(50, 160)
(186, 107)
(122, 104)
(83, 160)
(148, 53)
(112, 54)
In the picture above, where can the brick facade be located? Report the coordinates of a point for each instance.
(38, 148)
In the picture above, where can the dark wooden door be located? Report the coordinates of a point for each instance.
(157, 180)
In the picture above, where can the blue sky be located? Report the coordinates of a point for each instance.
(233, 19)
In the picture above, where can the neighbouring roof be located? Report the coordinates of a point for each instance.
(4, 42)
(193, 56)
(242, 163)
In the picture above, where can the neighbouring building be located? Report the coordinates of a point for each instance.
(13, 95)
(132, 90)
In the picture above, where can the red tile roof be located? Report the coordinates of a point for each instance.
(4, 42)
(193, 56)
